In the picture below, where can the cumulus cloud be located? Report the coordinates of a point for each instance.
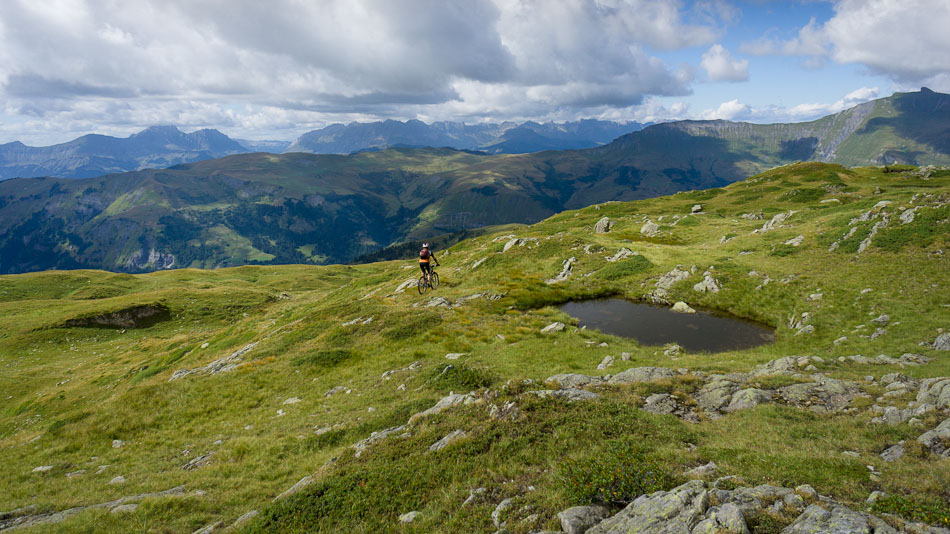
(736, 110)
(731, 110)
(307, 63)
(721, 67)
(904, 40)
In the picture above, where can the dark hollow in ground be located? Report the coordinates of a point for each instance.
(702, 331)
(134, 317)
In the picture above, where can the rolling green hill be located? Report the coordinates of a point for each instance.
(178, 400)
(318, 209)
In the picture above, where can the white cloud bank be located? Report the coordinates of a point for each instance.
(721, 67)
(284, 66)
(905, 40)
(735, 110)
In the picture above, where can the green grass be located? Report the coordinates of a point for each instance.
(69, 391)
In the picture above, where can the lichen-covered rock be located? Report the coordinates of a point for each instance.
(573, 380)
(444, 404)
(938, 439)
(682, 307)
(449, 439)
(580, 519)
(942, 342)
(725, 519)
(824, 396)
(935, 391)
(716, 394)
(641, 374)
(650, 229)
(748, 398)
(709, 284)
(839, 520)
(674, 512)
(661, 403)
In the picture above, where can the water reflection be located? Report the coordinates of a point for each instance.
(656, 325)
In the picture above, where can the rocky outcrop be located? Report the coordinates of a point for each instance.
(134, 317)
(603, 226)
(218, 366)
(566, 270)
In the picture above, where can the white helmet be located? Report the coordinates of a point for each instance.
(425, 245)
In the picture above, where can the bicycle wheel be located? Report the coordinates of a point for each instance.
(422, 284)
(435, 280)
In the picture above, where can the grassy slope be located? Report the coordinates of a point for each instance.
(68, 392)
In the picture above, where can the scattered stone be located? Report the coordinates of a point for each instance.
(607, 362)
(76, 473)
(682, 307)
(479, 262)
(935, 391)
(641, 374)
(942, 342)
(301, 484)
(198, 461)
(502, 507)
(603, 226)
(556, 326)
(824, 396)
(363, 445)
(474, 495)
(709, 284)
(776, 222)
(893, 453)
(675, 511)
(796, 241)
(566, 271)
(449, 439)
(444, 403)
(625, 356)
(42, 469)
(118, 480)
(650, 229)
(406, 285)
(878, 333)
(408, 517)
(621, 254)
(661, 403)
(239, 522)
(573, 380)
(455, 355)
(579, 519)
(334, 391)
(938, 439)
(222, 365)
(438, 302)
(748, 398)
(881, 320)
(209, 528)
(117, 444)
(672, 350)
(291, 400)
(702, 471)
(839, 520)
(697, 208)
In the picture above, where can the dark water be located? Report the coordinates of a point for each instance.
(657, 325)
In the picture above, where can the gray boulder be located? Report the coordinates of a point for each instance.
(449, 439)
(573, 380)
(579, 519)
(717, 393)
(748, 398)
(938, 439)
(839, 520)
(650, 229)
(603, 226)
(709, 284)
(942, 342)
(661, 403)
(893, 453)
(725, 519)
(641, 374)
(665, 512)
(824, 396)
(556, 326)
(444, 404)
(935, 391)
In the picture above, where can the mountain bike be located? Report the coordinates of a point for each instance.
(432, 282)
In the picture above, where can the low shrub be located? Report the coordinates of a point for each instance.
(918, 508)
(615, 477)
(623, 268)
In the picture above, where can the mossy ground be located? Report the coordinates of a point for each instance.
(68, 392)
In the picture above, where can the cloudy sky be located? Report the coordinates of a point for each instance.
(276, 69)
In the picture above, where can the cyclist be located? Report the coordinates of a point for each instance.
(426, 256)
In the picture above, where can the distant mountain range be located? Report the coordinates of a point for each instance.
(95, 155)
(307, 208)
(503, 138)
(163, 146)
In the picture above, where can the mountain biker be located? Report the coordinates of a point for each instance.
(426, 256)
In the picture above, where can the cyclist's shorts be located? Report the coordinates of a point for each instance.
(426, 267)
